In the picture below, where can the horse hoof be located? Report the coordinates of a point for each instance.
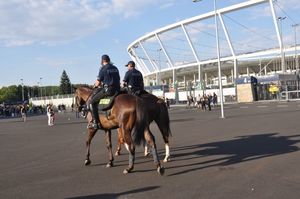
(167, 159)
(87, 162)
(117, 153)
(161, 170)
(146, 154)
(126, 171)
(109, 165)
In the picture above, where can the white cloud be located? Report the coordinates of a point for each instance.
(56, 62)
(166, 5)
(50, 22)
(290, 4)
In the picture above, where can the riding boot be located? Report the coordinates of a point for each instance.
(96, 122)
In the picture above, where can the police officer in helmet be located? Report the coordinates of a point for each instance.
(133, 79)
(107, 84)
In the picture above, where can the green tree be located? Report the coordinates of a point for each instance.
(65, 84)
(9, 94)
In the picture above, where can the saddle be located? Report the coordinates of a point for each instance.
(106, 103)
(138, 93)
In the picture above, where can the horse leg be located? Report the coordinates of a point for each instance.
(109, 147)
(146, 151)
(166, 140)
(167, 156)
(92, 133)
(151, 142)
(120, 142)
(131, 149)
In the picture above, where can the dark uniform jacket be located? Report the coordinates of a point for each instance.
(110, 77)
(134, 79)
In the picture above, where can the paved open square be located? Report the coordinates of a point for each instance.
(252, 153)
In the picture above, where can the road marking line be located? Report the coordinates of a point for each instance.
(282, 106)
(262, 106)
(244, 107)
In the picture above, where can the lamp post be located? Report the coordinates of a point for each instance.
(218, 56)
(296, 55)
(159, 67)
(22, 90)
(41, 86)
(280, 19)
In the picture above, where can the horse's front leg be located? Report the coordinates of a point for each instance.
(120, 142)
(146, 150)
(91, 132)
(167, 149)
(109, 147)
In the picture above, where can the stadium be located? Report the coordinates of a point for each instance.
(256, 38)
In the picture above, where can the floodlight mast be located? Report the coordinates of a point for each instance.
(219, 61)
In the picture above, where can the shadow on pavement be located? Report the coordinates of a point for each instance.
(182, 120)
(116, 195)
(240, 149)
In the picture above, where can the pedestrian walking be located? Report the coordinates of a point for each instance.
(50, 114)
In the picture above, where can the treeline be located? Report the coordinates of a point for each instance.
(14, 93)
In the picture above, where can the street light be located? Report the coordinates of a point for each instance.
(280, 19)
(296, 56)
(41, 86)
(159, 65)
(218, 55)
(22, 90)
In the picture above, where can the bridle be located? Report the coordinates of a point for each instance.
(79, 103)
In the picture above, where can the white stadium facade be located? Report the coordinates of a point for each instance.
(256, 38)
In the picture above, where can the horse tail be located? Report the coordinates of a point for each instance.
(164, 120)
(141, 122)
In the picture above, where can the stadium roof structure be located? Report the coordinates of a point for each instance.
(248, 31)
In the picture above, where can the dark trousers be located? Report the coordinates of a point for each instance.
(93, 102)
(209, 106)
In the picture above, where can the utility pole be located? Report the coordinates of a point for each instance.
(296, 54)
(219, 60)
(22, 90)
(280, 19)
(41, 86)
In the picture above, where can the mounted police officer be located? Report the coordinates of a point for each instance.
(133, 79)
(107, 84)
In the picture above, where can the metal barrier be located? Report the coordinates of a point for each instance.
(289, 95)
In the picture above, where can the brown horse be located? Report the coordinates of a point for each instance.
(157, 111)
(128, 115)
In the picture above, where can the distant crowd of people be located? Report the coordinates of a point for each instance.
(17, 110)
(204, 102)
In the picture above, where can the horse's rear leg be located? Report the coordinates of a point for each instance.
(151, 142)
(131, 149)
(166, 140)
(91, 132)
(120, 142)
(109, 147)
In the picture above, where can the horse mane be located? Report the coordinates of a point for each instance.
(83, 90)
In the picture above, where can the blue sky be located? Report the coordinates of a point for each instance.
(41, 38)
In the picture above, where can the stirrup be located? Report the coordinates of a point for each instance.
(93, 125)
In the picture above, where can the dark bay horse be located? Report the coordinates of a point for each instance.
(157, 111)
(128, 115)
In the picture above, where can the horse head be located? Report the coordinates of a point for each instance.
(81, 96)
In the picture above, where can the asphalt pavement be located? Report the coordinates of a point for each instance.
(252, 153)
